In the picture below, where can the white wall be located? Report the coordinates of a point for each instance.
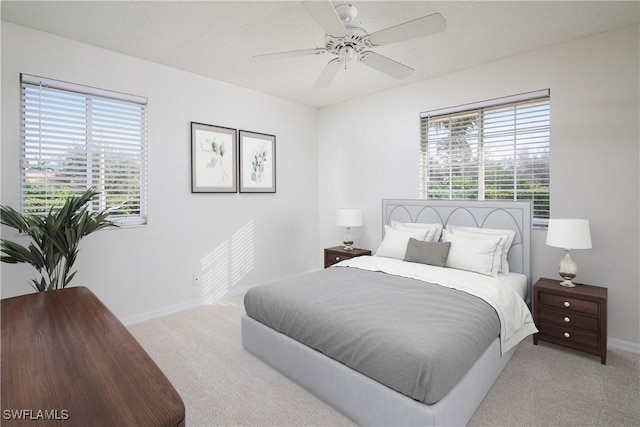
(369, 149)
(361, 151)
(231, 240)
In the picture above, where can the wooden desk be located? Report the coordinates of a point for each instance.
(67, 360)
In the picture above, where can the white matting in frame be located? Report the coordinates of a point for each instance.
(257, 162)
(213, 159)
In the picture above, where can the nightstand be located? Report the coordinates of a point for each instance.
(571, 317)
(339, 253)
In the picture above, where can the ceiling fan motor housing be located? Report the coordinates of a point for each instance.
(349, 46)
(347, 12)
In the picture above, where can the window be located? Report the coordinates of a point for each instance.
(493, 150)
(75, 137)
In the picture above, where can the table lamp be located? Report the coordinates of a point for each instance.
(568, 233)
(348, 218)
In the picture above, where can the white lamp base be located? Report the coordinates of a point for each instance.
(568, 284)
(567, 270)
(348, 240)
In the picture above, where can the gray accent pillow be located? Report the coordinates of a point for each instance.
(430, 253)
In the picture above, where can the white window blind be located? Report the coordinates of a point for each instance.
(492, 150)
(75, 137)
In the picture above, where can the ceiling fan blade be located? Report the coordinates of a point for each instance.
(326, 16)
(289, 54)
(385, 65)
(328, 74)
(424, 26)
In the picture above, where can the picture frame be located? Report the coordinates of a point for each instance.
(257, 154)
(214, 159)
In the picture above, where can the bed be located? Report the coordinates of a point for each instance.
(365, 334)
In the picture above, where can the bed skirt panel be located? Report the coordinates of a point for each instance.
(366, 401)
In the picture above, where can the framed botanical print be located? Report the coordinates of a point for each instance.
(257, 162)
(213, 159)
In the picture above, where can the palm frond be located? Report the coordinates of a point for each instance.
(55, 238)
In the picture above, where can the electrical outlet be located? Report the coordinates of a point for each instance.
(195, 280)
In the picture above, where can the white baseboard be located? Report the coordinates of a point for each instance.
(161, 312)
(182, 306)
(623, 345)
(187, 305)
(237, 291)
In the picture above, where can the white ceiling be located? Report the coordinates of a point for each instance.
(218, 38)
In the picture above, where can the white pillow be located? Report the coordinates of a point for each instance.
(497, 260)
(470, 252)
(433, 230)
(507, 237)
(394, 244)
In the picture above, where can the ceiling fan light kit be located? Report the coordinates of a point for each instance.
(348, 40)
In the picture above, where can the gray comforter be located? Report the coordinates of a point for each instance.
(414, 337)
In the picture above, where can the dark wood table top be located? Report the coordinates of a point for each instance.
(67, 360)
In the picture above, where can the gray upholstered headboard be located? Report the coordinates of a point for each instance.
(509, 215)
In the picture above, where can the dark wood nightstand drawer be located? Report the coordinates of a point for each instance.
(338, 253)
(573, 304)
(568, 319)
(333, 258)
(569, 335)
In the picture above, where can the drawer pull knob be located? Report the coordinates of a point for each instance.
(337, 258)
(567, 304)
(567, 335)
(567, 320)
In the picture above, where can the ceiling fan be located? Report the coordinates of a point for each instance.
(348, 40)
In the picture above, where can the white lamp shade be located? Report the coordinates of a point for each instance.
(349, 218)
(569, 233)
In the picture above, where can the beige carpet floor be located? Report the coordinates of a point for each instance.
(200, 351)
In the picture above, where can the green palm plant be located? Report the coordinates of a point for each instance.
(55, 238)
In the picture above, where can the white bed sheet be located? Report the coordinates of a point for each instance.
(516, 281)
